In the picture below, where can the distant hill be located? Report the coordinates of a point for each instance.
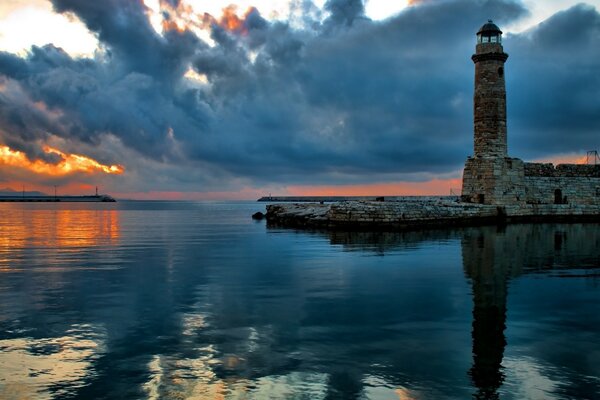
(11, 192)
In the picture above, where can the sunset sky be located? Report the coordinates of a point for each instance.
(190, 99)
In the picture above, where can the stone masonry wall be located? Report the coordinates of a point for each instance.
(562, 170)
(508, 181)
(489, 101)
(498, 181)
(404, 212)
(565, 183)
(573, 190)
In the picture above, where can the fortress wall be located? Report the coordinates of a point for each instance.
(579, 184)
(578, 170)
(573, 190)
(562, 170)
(539, 169)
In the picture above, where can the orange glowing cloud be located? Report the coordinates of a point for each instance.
(184, 17)
(174, 25)
(230, 20)
(69, 163)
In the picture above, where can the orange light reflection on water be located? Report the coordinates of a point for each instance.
(58, 231)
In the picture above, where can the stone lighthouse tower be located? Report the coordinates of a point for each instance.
(490, 177)
(489, 102)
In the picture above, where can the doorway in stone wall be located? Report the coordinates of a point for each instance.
(558, 197)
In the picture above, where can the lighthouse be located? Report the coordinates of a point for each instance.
(490, 176)
(489, 100)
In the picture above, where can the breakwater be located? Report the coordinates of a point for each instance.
(52, 199)
(406, 215)
(333, 199)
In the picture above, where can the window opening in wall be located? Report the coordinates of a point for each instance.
(481, 198)
(501, 72)
(558, 199)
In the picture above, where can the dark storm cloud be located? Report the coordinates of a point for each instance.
(381, 98)
(344, 12)
(345, 99)
(123, 26)
(554, 85)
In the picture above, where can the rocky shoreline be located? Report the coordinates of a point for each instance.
(409, 215)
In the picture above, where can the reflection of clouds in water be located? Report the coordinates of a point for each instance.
(188, 375)
(301, 385)
(192, 323)
(191, 377)
(527, 378)
(297, 385)
(49, 367)
(376, 387)
(205, 372)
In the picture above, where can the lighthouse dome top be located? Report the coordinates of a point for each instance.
(489, 28)
(489, 33)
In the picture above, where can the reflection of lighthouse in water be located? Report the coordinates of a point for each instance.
(489, 259)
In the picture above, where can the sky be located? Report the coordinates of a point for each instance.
(210, 100)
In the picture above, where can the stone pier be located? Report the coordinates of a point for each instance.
(408, 215)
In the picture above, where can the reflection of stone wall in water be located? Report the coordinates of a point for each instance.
(512, 250)
(521, 249)
(386, 241)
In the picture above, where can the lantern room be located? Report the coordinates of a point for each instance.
(489, 33)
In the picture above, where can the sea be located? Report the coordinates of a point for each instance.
(195, 300)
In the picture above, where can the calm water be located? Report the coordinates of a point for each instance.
(195, 300)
